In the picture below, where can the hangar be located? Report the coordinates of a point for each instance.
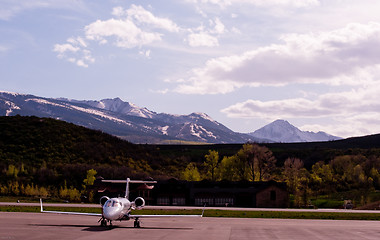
(173, 192)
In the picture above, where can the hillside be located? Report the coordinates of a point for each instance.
(33, 141)
(36, 140)
(55, 151)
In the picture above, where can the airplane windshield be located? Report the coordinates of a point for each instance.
(112, 203)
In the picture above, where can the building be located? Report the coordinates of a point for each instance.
(175, 192)
(224, 193)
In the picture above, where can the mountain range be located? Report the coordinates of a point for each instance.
(141, 125)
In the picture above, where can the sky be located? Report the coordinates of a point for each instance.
(245, 63)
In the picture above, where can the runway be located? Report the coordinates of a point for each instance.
(57, 226)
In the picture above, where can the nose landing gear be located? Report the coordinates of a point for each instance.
(103, 222)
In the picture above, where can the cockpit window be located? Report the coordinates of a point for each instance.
(112, 203)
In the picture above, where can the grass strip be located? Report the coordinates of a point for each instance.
(215, 213)
(38, 209)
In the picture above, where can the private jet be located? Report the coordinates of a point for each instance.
(119, 209)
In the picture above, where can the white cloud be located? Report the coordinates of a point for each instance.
(219, 26)
(202, 37)
(77, 41)
(261, 3)
(362, 100)
(358, 107)
(202, 40)
(61, 49)
(143, 16)
(326, 57)
(127, 34)
(145, 53)
(132, 28)
(74, 51)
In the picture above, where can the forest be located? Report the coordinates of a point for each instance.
(42, 157)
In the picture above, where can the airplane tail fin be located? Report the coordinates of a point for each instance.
(127, 182)
(42, 210)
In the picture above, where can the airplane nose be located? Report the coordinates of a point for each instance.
(110, 213)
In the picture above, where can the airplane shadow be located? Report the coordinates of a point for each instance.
(100, 228)
(85, 227)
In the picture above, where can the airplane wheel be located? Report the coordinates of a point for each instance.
(136, 223)
(103, 223)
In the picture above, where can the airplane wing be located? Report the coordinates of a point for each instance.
(161, 216)
(71, 213)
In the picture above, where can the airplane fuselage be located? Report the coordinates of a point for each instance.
(116, 208)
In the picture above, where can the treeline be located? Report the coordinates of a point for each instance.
(16, 186)
(257, 163)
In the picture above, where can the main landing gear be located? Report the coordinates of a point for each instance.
(136, 223)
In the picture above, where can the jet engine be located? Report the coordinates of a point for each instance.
(139, 202)
(103, 200)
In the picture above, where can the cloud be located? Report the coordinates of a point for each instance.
(127, 34)
(11, 8)
(261, 3)
(350, 108)
(61, 49)
(143, 16)
(325, 57)
(202, 39)
(132, 28)
(74, 50)
(145, 53)
(362, 100)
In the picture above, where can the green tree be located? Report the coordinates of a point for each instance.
(227, 168)
(12, 171)
(191, 173)
(211, 163)
(90, 179)
(292, 173)
(257, 161)
(323, 179)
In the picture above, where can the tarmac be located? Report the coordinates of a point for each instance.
(18, 225)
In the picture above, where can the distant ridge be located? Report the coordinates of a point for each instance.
(123, 119)
(283, 131)
(141, 125)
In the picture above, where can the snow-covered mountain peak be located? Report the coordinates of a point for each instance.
(200, 115)
(283, 131)
(13, 94)
(141, 125)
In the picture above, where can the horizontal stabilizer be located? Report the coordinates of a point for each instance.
(130, 181)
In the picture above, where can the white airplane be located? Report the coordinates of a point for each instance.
(119, 209)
